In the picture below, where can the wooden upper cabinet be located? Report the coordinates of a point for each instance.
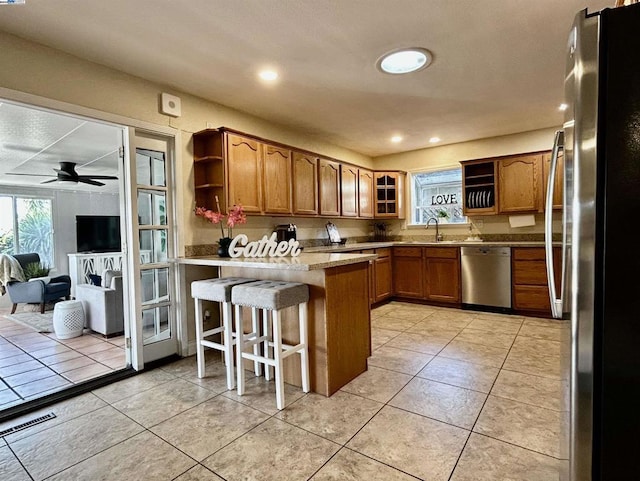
(305, 184)
(349, 190)
(389, 194)
(244, 173)
(520, 184)
(329, 187)
(365, 193)
(276, 179)
(559, 179)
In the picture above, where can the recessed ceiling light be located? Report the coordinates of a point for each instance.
(396, 138)
(405, 60)
(268, 75)
(563, 107)
(433, 140)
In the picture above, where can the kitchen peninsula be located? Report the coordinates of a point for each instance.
(339, 317)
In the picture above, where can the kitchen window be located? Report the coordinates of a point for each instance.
(437, 194)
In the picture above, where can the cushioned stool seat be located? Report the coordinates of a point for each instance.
(271, 297)
(216, 290)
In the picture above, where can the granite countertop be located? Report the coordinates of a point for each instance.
(378, 245)
(307, 261)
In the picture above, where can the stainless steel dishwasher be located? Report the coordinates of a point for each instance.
(486, 276)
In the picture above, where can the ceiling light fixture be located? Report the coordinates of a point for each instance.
(563, 107)
(433, 140)
(405, 60)
(396, 138)
(268, 75)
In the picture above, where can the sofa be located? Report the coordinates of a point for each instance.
(37, 291)
(103, 304)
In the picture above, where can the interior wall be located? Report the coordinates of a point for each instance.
(53, 74)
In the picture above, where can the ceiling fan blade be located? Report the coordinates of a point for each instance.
(33, 175)
(84, 180)
(63, 173)
(110, 177)
(49, 181)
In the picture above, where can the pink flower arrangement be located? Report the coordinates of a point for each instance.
(234, 217)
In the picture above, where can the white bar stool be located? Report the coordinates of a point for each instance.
(216, 290)
(271, 297)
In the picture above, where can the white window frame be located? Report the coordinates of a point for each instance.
(412, 196)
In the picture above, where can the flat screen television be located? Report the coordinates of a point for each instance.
(98, 233)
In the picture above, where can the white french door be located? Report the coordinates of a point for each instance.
(151, 240)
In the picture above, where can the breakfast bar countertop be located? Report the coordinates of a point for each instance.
(304, 262)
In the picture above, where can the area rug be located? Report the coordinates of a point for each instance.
(34, 320)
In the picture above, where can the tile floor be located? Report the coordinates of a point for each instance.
(449, 395)
(34, 364)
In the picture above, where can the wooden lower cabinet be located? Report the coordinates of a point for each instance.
(383, 275)
(442, 274)
(530, 291)
(408, 278)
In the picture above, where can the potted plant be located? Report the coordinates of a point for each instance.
(234, 216)
(35, 271)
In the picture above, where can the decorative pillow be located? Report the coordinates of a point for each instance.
(95, 279)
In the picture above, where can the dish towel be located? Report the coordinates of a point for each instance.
(10, 269)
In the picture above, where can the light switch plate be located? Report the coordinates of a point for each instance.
(170, 105)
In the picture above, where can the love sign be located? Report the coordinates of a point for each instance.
(265, 247)
(444, 199)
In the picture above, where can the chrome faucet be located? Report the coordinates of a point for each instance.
(438, 235)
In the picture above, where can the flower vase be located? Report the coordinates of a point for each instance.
(223, 246)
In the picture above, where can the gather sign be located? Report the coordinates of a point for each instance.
(265, 247)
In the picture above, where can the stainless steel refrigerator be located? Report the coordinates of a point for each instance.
(601, 293)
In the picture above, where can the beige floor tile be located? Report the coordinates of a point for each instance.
(74, 363)
(274, 450)
(61, 357)
(208, 427)
(87, 372)
(94, 348)
(133, 385)
(487, 338)
(10, 467)
(29, 376)
(417, 445)
(524, 425)
(432, 329)
(539, 391)
(17, 359)
(543, 332)
(486, 459)
(538, 357)
(544, 322)
(81, 341)
(393, 323)
(143, 456)
(380, 337)
(377, 384)
(116, 363)
(475, 353)
(419, 343)
(453, 317)
(400, 360)
(199, 473)
(336, 418)
(49, 351)
(64, 411)
(459, 373)
(108, 354)
(446, 403)
(20, 368)
(408, 314)
(261, 394)
(347, 465)
(505, 325)
(162, 402)
(183, 367)
(54, 382)
(75, 441)
(215, 377)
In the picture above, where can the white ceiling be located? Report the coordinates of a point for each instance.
(498, 64)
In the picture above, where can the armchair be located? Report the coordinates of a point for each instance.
(37, 291)
(103, 305)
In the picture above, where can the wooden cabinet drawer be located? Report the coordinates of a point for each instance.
(528, 253)
(442, 252)
(407, 251)
(530, 273)
(531, 298)
(383, 252)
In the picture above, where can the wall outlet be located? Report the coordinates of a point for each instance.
(479, 223)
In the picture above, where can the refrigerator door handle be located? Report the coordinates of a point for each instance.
(556, 302)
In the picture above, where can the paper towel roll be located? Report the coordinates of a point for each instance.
(522, 220)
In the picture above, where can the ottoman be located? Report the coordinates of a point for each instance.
(68, 319)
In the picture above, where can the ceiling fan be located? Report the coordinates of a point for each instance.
(67, 173)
